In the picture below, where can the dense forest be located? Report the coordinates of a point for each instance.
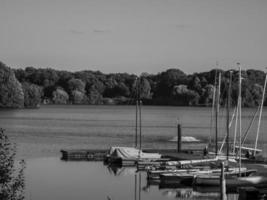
(31, 87)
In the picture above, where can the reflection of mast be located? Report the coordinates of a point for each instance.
(137, 186)
(140, 186)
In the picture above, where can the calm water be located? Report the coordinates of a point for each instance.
(50, 178)
(40, 134)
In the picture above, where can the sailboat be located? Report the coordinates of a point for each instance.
(253, 154)
(131, 155)
(233, 181)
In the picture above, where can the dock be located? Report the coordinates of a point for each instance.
(100, 154)
(84, 154)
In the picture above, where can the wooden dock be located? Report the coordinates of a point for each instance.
(84, 154)
(100, 154)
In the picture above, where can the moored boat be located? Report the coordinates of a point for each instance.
(178, 178)
(231, 181)
(130, 155)
(155, 174)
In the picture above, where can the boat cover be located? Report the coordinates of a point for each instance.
(130, 153)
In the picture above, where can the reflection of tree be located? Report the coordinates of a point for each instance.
(11, 179)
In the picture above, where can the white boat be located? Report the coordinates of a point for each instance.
(155, 174)
(214, 180)
(188, 177)
(130, 155)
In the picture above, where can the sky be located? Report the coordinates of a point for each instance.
(133, 36)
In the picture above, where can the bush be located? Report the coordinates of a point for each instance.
(11, 180)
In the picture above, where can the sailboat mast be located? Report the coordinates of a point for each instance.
(136, 112)
(213, 108)
(259, 122)
(228, 114)
(136, 118)
(140, 114)
(140, 125)
(240, 125)
(217, 112)
(235, 133)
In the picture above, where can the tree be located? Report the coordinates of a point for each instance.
(184, 96)
(207, 96)
(11, 179)
(167, 80)
(78, 97)
(77, 91)
(11, 93)
(76, 84)
(195, 84)
(60, 96)
(143, 87)
(32, 95)
(94, 97)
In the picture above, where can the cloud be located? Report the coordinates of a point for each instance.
(181, 26)
(76, 32)
(101, 31)
(96, 31)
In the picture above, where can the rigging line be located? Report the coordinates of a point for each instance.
(228, 112)
(227, 122)
(217, 112)
(212, 114)
(236, 121)
(259, 122)
(230, 124)
(250, 125)
(213, 107)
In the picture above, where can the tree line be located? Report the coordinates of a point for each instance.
(31, 87)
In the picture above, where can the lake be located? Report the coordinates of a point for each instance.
(40, 134)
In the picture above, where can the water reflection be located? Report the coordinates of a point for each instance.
(167, 190)
(53, 179)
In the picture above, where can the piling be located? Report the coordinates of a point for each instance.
(179, 138)
(222, 183)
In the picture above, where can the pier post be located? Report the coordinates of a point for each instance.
(179, 137)
(222, 183)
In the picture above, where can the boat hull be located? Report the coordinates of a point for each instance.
(256, 181)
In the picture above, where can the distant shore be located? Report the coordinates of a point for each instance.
(31, 87)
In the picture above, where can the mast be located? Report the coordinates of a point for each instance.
(230, 124)
(217, 112)
(140, 114)
(235, 133)
(136, 118)
(228, 115)
(136, 112)
(259, 122)
(240, 125)
(213, 107)
(140, 124)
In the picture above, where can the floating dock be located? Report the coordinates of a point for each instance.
(84, 154)
(100, 154)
